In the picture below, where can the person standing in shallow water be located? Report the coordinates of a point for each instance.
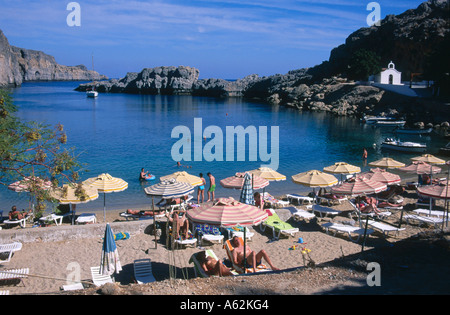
(364, 156)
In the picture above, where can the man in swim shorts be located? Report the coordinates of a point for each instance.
(212, 187)
(201, 189)
(253, 259)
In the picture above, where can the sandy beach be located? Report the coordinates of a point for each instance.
(51, 263)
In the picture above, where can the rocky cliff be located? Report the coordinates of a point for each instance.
(19, 65)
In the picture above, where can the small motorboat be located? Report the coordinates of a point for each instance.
(371, 120)
(92, 93)
(399, 123)
(397, 145)
(411, 131)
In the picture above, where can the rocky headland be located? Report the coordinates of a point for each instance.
(18, 65)
(408, 38)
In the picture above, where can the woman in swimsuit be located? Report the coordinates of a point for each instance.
(213, 267)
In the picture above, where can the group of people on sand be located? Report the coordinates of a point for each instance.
(215, 267)
(211, 189)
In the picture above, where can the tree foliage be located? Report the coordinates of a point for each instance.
(362, 64)
(33, 150)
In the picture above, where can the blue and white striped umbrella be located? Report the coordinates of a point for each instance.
(110, 262)
(247, 190)
(169, 189)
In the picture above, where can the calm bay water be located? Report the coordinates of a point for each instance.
(119, 133)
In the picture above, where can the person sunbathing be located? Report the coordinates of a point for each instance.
(213, 267)
(14, 214)
(253, 259)
(368, 205)
(180, 225)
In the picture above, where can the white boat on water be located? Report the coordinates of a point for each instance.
(91, 93)
(400, 123)
(370, 120)
(392, 144)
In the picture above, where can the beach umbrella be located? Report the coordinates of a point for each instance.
(74, 194)
(342, 168)
(237, 181)
(315, 178)
(268, 173)
(30, 184)
(420, 168)
(429, 158)
(184, 177)
(167, 189)
(227, 212)
(110, 262)
(387, 162)
(105, 183)
(360, 185)
(247, 191)
(382, 176)
(435, 191)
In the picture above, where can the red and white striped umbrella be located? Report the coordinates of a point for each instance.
(26, 185)
(435, 191)
(382, 176)
(420, 167)
(359, 186)
(237, 181)
(227, 212)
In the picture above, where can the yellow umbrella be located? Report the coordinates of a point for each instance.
(268, 173)
(315, 178)
(184, 177)
(428, 158)
(105, 183)
(74, 194)
(342, 168)
(387, 162)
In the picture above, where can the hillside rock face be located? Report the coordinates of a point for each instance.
(19, 65)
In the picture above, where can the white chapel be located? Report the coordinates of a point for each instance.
(388, 76)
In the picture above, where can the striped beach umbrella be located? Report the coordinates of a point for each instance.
(227, 212)
(169, 189)
(110, 262)
(435, 191)
(387, 162)
(29, 184)
(105, 183)
(237, 182)
(183, 177)
(420, 168)
(382, 176)
(359, 186)
(247, 191)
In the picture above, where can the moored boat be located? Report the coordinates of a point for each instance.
(407, 146)
(370, 120)
(92, 93)
(400, 123)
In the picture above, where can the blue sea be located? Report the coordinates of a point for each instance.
(121, 133)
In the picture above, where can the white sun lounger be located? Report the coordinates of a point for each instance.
(430, 213)
(9, 249)
(300, 199)
(14, 275)
(143, 271)
(54, 217)
(4, 292)
(248, 233)
(346, 229)
(300, 214)
(21, 222)
(86, 218)
(383, 227)
(99, 279)
(324, 211)
(72, 287)
(429, 220)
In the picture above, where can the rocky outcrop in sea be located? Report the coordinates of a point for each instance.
(18, 65)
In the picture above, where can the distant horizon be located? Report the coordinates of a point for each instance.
(224, 39)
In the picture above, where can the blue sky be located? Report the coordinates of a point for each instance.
(222, 38)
